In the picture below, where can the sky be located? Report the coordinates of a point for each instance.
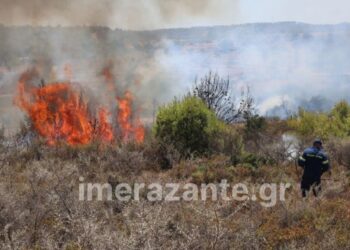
(157, 14)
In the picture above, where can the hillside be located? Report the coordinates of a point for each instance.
(40, 206)
(93, 160)
(278, 61)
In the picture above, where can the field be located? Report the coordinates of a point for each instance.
(87, 110)
(40, 208)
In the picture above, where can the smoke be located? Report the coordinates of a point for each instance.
(285, 64)
(156, 14)
(125, 14)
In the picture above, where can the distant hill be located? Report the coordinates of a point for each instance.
(288, 61)
(31, 43)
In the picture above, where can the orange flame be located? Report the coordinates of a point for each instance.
(58, 112)
(105, 129)
(124, 120)
(139, 131)
(124, 114)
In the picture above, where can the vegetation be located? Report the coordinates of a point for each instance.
(203, 138)
(187, 124)
(217, 93)
(39, 206)
(325, 125)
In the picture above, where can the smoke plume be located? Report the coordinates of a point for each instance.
(285, 64)
(125, 14)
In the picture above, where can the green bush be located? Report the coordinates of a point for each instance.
(212, 170)
(252, 160)
(335, 123)
(187, 124)
(254, 126)
(228, 141)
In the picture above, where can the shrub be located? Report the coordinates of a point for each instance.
(341, 110)
(160, 154)
(212, 170)
(187, 124)
(308, 124)
(344, 153)
(254, 126)
(251, 160)
(227, 141)
(217, 93)
(335, 123)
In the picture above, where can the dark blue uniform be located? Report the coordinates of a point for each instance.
(314, 162)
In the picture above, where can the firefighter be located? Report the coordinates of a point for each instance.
(314, 163)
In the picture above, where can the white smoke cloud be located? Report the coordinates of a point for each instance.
(125, 14)
(156, 14)
(284, 63)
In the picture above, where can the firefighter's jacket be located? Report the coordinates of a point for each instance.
(314, 162)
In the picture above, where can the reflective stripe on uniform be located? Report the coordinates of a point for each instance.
(325, 162)
(302, 158)
(314, 156)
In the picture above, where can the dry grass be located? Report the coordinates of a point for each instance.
(39, 207)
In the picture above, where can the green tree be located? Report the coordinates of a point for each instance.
(187, 124)
(341, 110)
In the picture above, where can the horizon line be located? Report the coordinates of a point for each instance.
(171, 28)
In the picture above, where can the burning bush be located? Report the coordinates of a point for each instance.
(60, 112)
(188, 124)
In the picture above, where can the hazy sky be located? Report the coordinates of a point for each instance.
(153, 14)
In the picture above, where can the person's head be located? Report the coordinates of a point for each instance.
(318, 144)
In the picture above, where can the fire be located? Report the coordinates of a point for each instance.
(59, 112)
(129, 130)
(139, 131)
(105, 129)
(124, 114)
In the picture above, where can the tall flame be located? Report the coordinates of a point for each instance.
(105, 130)
(128, 129)
(124, 114)
(139, 132)
(59, 112)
